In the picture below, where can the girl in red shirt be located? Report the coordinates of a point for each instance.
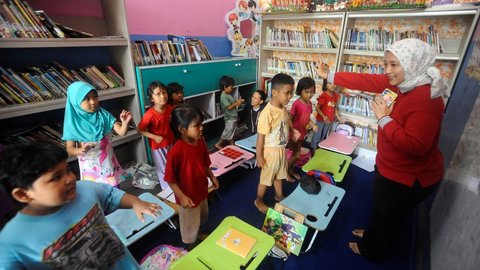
(327, 110)
(155, 126)
(187, 170)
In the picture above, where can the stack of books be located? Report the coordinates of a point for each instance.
(51, 81)
(176, 49)
(301, 39)
(19, 20)
(380, 39)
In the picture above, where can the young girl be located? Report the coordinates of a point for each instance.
(188, 166)
(327, 110)
(300, 115)
(253, 111)
(87, 129)
(175, 94)
(155, 126)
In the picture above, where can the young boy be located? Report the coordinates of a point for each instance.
(62, 223)
(229, 107)
(273, 131)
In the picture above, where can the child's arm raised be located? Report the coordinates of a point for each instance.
(121, 128)
(185, 201)
(73, 150)
(140, 207)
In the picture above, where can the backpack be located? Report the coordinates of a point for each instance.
(322, 176)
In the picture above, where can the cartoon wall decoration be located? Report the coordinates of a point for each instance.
(244, 28)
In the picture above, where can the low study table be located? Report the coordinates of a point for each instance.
(318, 209)
(210, 255)
(228, 158)
(129, 228)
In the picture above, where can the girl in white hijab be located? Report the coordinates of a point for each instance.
(409, 165)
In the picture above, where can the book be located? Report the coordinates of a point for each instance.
(73, 33)
(389, 96)
(237, 242)
(51, 26)
(288, 233)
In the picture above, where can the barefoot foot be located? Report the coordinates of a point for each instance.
(262, 207)
(354, 247)
(358, 233)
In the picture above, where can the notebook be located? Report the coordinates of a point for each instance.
(237, 242)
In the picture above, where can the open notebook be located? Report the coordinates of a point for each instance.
(237, 242)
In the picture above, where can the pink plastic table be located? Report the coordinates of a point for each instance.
(222, 162)
(340, 143)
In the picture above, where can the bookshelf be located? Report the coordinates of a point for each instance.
(109, 46)
(447, 29)
(200, 84)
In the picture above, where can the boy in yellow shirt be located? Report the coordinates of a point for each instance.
(273, 129)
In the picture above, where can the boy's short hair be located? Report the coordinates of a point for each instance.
(281, 79)
(226, 81)
(21, 166)
(303, 84)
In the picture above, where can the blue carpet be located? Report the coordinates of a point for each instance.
(330, 249)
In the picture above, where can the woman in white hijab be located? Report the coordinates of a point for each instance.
(409, 164)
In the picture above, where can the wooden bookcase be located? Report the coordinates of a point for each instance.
(110, 46)
(455, 28)
(200, 81)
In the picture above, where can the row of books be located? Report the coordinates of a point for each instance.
(292, 67)
(51, 81)
(301, 39)
(380, 39)
(357, 104)
(50, 132)
(351, 66)
(367, 133)
(19, 20)
(285, 5)
(176, 49)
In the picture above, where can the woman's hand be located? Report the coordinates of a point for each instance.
(322, 69)
(380, 108)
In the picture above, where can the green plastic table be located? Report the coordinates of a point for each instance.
(216, 257)
(328, 161)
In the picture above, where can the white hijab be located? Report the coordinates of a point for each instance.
(417, 59)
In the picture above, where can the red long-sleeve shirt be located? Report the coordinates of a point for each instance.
(408, 145)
